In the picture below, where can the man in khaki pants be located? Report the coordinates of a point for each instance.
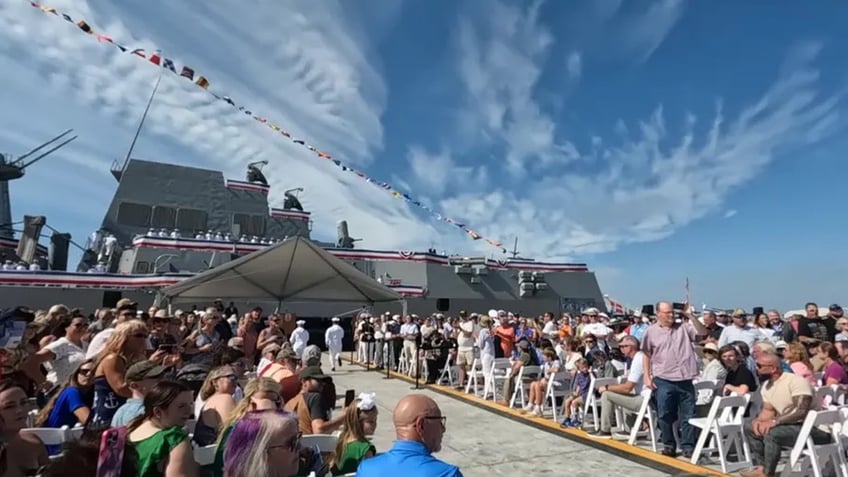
(409, 332)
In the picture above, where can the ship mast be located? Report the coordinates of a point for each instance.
(119, 172)
(515, 251)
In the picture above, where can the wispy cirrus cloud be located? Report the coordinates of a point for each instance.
(319, 79)
(646, 179)
(574, 65)
(642, 33)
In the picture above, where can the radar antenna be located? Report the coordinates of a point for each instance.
(15, 168)
(291, 201)
(254, 172)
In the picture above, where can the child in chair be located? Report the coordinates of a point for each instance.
(572, 404)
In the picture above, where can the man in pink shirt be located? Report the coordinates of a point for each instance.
(670, 364)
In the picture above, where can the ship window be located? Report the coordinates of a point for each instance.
(164, 217)
(250, 224)
(258, 224)
(191, 219)
(132, 214)
(142, 267)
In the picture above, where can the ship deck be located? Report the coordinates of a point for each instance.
(485, 439)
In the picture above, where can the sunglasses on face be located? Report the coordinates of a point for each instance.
(443, 420)
(293, 445)
(85, 371)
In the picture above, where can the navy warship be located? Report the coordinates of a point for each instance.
(167, 222)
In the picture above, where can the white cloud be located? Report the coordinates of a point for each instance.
(317, 80)
(730, 213)
(651, 181)
(643, 33)
(501, 58)
(574, 64)
(435, 173)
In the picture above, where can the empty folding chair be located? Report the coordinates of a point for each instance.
(808, 458)
(725, 423)
(448, 372)
(500, 371)
(475, 372)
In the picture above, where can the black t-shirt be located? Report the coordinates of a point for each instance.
(316, 405)
(715, 332)
(822, 329)
(742, 375)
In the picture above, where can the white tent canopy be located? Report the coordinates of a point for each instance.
(295, 270)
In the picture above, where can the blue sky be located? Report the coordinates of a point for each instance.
(654, 140)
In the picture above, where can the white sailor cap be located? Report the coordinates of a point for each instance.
(335, 319)
(493, 313)
(396, 317)
(300, 322)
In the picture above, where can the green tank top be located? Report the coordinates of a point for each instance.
(155, 449)
(351, 457)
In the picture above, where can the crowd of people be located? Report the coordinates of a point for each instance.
(667, 350)
(171, 384)
(252, 385)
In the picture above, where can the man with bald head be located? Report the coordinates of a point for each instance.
(787, 398)
(420, 426)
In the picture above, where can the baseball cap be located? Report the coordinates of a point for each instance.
(739, 313)
(287, 353)
(126, 303)
(835, 307)
(312, 372)
(144, 370)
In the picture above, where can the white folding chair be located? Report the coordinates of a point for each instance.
(808, 458)
(322, 442)
(824, 396)
(50, 436)
(706, 390)
(725, 423)
(448, 372)
(501, 371)
(526, 375)
(205, 455)
(559, 385)
(592, 403)
(474, 373)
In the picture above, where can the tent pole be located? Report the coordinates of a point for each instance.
(404, 308)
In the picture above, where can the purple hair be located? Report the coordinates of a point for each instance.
(244, 452)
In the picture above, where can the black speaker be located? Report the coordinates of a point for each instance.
(443, 304)
(110, 299)
(648, 310)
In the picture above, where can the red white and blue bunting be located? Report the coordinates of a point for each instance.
(155, 58)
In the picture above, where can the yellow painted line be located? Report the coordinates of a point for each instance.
(611, 444)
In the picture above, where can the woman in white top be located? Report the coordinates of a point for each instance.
(569, 354)
(486, 343)
(763, 329)
(66, 353)
(713, 370)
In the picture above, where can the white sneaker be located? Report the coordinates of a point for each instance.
(537, 411)
(528, 408)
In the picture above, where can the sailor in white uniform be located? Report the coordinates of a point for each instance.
(333, 337)
(299, 338)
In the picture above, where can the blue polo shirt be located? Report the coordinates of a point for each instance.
(407, 458)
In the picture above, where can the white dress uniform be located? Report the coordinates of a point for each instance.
(333, 337)
(299, 339)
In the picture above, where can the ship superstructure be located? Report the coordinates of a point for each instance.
(166, 222)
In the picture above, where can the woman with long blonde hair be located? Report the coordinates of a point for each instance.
(360, 422)
(799, 362)
(126, 346)
(217, 404)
